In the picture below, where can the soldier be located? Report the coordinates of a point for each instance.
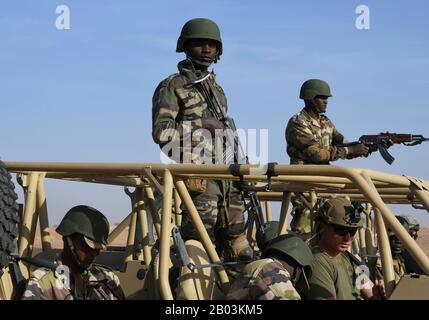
(412, 226)
(397, 251)
(182, 109)
(285, 260)
(84, 230)
(312, 138)
(336, 273)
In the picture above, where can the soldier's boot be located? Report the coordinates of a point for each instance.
(301, 221)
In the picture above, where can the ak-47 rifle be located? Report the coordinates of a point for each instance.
(383, 141)
(234, 153)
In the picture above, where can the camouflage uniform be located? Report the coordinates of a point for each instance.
(176, 106)
(399, 269)
(313, 142)
(265, 279)
(180, 108)
(44, 284)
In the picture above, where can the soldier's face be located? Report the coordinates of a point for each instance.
(85, 253)
(336, 239)
(321, 103)
(414, 234)
(202, 49)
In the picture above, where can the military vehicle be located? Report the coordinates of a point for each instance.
(156, 263)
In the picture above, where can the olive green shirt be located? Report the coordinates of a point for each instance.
(332, 277)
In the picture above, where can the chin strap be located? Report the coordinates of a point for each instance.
(305, 278)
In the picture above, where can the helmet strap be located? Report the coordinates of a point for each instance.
(305, 277)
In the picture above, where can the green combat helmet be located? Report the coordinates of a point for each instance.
(87, 221)
(199, 29)
(314, 87)
(291, 246)
(341, 212)
(404, 222)
(412, 223)
(271, 231)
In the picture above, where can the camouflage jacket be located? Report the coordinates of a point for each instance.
(265, 279)
(177, 112)
(313, 142)
(398, 269)
(45, 284)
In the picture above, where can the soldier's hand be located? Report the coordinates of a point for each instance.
(212, 124)
(381, 288)
(358, 150)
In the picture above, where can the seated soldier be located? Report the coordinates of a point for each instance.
(284, 261)
(397, 251)
(335, 271)
(85, 231)
(413, 227)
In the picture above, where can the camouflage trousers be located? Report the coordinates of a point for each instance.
(221, 210)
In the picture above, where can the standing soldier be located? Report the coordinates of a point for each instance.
(312, 138)
(77, 277)
(182, 109)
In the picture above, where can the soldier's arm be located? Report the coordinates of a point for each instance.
(273, 283)
(337, 137)
(165, 108)
(302, 138)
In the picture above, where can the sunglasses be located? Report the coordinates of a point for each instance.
(343, 231)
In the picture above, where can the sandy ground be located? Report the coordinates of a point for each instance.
(423, 239)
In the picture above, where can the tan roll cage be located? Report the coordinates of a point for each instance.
(376, 188)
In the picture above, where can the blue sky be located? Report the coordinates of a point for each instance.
(84, 94)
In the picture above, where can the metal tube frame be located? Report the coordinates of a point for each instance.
(28, 230)
(284, 212)
(164, 244)
(356, 183)
(204, 236)
(42, 210)
(144, 226)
